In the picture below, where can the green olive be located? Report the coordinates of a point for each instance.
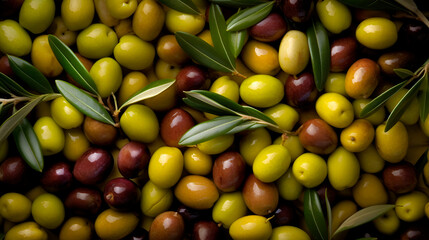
(294, 53)
(111, 224)
(26, 230)
(48, 210)
(292, 143)
(228, 208)
(334, 15)
(96, 41)
(393, 144)
(261, 91)
(377, 33)
(165, 166)
(131, 119)
(148, 20)
(15, 207)
(251, 227)
(131, 83)
(37, 15)
(196, 162)
(14, 39)
(107, 75)
(217, 144)
(178, 21)
(155, 200)
(77, 14)
(284, 115)
(50, 135)
(289, 187)
(64, 114)
(271, 163)
(289, 233)
(134, 53)
(43, 58)
(75, 143)
(76, 228)
(252, 143)
(343, 169)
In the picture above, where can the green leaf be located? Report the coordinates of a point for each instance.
(374, 4)
(403, 73)
(238, 39)
(215, 100)
(249, 16)
(28, 145)
(257, 114)
(10, 124)
(378, 102)
(318, 43)
(184, 6)
(210, 129)
(247, 125)
(71, 64)
(363, 216)
(424, 99)
(313, 215)
(3, 88)
(220, 37)
(4, 110)
(30, 75)
(84, 102)
(402, 105)
(329, 214)
(150, 90)
(13, 87)
(237, 3)
(204, 107)
(202, 52)
(420, 164)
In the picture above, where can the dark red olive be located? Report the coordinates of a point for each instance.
(343, 53)
(14, 171)
(93, 166)
(57, 177)
(300, 90)
(270, 29)
(229, 171)
(298, 10)
(121, 194)
(84, 201)
(133, 158)
(174, 124)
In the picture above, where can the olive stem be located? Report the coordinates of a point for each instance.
(236, 73)
(14, 100)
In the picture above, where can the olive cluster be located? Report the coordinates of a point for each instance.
(133, 180)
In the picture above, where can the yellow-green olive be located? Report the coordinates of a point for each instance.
(165, 166)
(37, 15)
(197, 192)
(148, 20)
(251, 227)
(154, 199)
(261, 91)
(131, 121)
(15, 207)
(77, 14)
(14, 39)
(377, 33)
(43, 58)
(26, 230)
(48, 210)
(107, 75)
(252, 143)
(111, 224)
(50, 135)
(75, 143)
(228, 208)
(64, 114)
(294, 53)
(134, 53)
(271, 163)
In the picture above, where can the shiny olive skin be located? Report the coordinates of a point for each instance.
(261, 198)
(155, 200)
(58, 177)
(99, 133)
(14, 39)
(37, 15)
(121, 194)
(229, 171)
(397, 59)
(111, 224)
(93, 166)
(168, 225)
(298, 11)
(174, 124)
(377, 33)
(84, 201)
(197, 192)
(133, 158)
(343, 53)
(318, 137)
(269, 29)
(13, 171)
(362, 78)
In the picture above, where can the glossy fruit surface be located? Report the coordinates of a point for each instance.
(15, 207)
(107, 75)
(84, 201)
(228, 208)
(48, 211)
(197, 192)
(121, 194)
(289, 233)
(335, 109)
(357, 136)
(167, 225)
(43, 58)
(111, 224)
(14, 39)
(334, 15)
(410, 206)
(77, 14)
(270, 29)
(396, 138)
(165, 166)
(251, 227)
(294, 53)
(155, 200)
(99, 133)
(400, 178)
(50, 135)
(377, 33)
(140, 113)
(93, 166)
(318, 137)
(37, 15)
(253, 142)
(64, 114)
(309, 169)
(261, 198)
(174, 124)
(369, 190)
(300, 90)
(271, 163)
(362, 78)
(260, 57)
(76, 228)
(261, 91)
(134, 53)
(144, 24)
(343, 53)
(229, 171)
(197, 162)
(26, 230)
(57, 177)
(133, 158)
(343, 169)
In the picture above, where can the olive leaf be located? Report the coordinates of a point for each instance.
(424, 99)
(313, 215)
(203, 53)
(411, 6)
(84, 102)
(13, 121)
(402, 105)
(3, 88)
(374, 4)
(184, 6)
(237, 3)
(150, 90)
(71, 64)
(363, 216)
(403, 73)
(12, 87)
(328, 213)
(249, 16)
(420, 164)
(378, 102)
(220, 37)
(217, 101)
(318, 43)
(238, 39)
(210, 129)
(30, 75)
(247, 125)
(28, 145)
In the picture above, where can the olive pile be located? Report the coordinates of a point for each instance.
(134, 179)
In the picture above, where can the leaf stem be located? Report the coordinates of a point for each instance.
(236, 73)
(15, 100)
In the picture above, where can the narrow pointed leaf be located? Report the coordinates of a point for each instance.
(71, 64)
(249, 16)
(329, 214)
(221, 38)
(184, 6)
(150, 90)
(403, 73)
(30, 75)
(84, 102)
(374, 4)
(313, 215)
(318, 43)
(216, 100)
(13, 87)
(258, 114)
(238, 39)
(378, 102)
(3, 88)
(237, 3)
(5, 110)
(247, 125)
(420, 164)
(363, 216)
(10, 124)
(210, 129)
(402, 105)
(28, 145)
(424, 99)
(204, 107)
(202, 52)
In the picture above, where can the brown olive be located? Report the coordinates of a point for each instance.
(261, 198)
(229, 171)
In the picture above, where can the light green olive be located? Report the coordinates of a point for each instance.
(14, 39)
(289, 188)
(155, 200)
(334, 15)
(271, 163)
(50, 135)
(96, 41)
(64, 114)
(377, 33)
(294, 53)
(107, 75)
(261, 91)
(134, 53)
(26, 230)
(77, 14)
(228, 208)
(343, 169)
(166, 166)
(217, 144)
(15, 207)
(251, 227)
(284, 115)
(292, 143)
(131, 121)
(48, 210)
(75, 143)
(289, 233)
(335, 83)
(37, 15)
(252, 143)
(178, 21)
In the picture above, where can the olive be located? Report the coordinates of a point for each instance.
(196, 192)
(174, 124)
(261, 198)
(167, 225)
(133, 158)
(343, 53)
(121, 194)
(84, 201)
(93, 166)
(229, 171)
